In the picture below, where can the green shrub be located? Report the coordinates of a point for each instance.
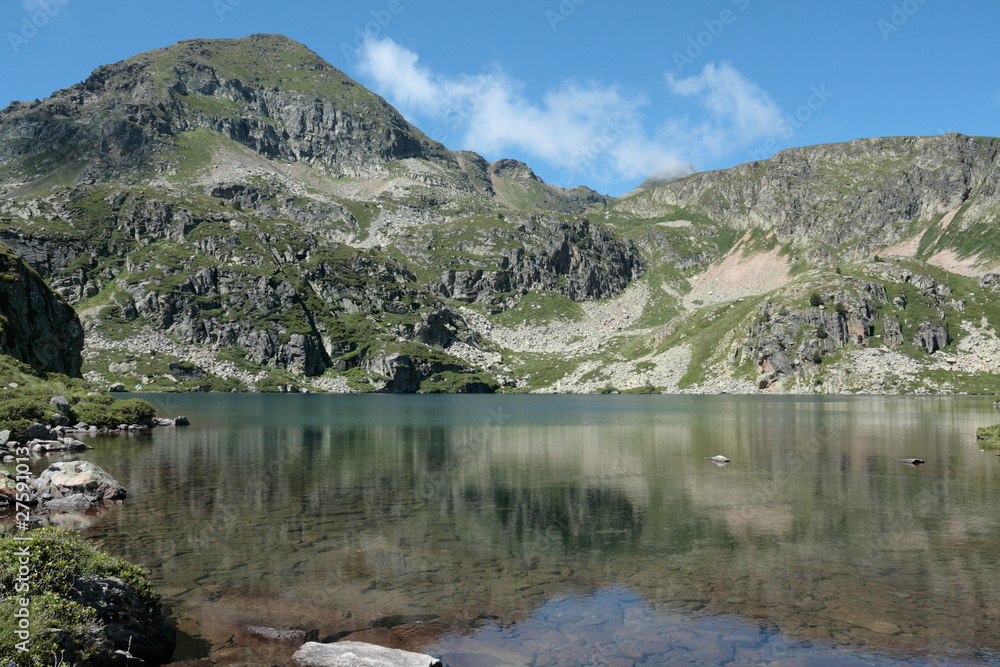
(815, 300)
(18, 413)
(62, 631)
(23, 408)
(106, 412)
(276, 381)
(133, 411)
(989, 436)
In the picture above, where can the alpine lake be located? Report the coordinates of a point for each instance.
(568, 530)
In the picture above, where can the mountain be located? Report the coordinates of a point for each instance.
(242, 206)
(239, 214)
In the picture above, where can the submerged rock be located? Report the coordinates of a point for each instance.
(358, 654)
(294, 635)
(75, 504)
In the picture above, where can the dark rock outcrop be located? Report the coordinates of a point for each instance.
(783, 341)
(574, 257)
(133, 629)
(36, 326)
(932, 337)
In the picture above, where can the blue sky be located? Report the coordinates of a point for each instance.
(585, 91)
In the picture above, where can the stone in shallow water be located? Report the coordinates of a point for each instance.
(74, 477)
(883, 627)
(358, 654)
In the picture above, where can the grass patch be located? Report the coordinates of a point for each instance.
(542, 369)
(541, 308)
(989, 436)
(27, 402)
(707, 331)
(450, 382)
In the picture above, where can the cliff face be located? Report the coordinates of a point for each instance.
(36, 325)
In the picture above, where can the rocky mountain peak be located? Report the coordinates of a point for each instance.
(515, 169)
(265, 92)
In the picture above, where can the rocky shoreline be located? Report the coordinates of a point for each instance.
(127, 625)
(64, 487)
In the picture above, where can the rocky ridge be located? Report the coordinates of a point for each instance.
(845, 202)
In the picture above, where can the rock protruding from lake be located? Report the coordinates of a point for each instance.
(359, 654)
(69, 478)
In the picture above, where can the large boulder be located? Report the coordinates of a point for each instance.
(68, 478)
(38, 432)
(932, 337)
(61, 403)
(128, 622)
(359, 654)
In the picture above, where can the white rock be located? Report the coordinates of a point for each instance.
(359, 654)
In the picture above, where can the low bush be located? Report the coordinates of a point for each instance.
(989, 436)
(106, 412)
(62, 630)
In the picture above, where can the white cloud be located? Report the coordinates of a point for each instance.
(590, 131)
(739, 112)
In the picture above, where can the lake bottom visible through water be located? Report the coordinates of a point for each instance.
(576, 530)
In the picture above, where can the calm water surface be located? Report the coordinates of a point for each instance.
(545, 530)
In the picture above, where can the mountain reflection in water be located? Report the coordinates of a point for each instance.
(521, 527)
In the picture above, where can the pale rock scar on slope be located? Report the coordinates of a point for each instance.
(602, 321)
(910, 247)
(948, 260)
(739, 275)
